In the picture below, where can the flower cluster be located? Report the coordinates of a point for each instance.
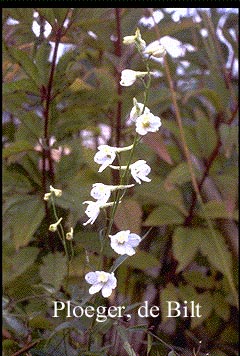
(123, 242)
(56, 192)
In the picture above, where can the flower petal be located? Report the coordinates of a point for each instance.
(91, 277)
(106, 291)
(129, 250)
(134, 240)
(95, 288)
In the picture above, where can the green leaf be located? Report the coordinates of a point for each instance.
(25, 62)
(164, 215)
(40, 322)
(185, 245)
(221, 306)
(42, 62)
(216, 210)
(54, 269)
(17, 147)
(178, 176)
(227, 184)
(229, 138)
(14, 180)
(23, 85)
(189, 294)
(209, 94)
(199, 280)
(142, 260)
(206, 134)
(25, 216)
(23, 259)
(157, 193)
(218, 256)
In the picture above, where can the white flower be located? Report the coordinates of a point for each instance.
(140, 170)
(129, 39)
(147, 122)
(156, 50)
(101, 280)
(137, 39)
(137, 110)
(124, 242)
(129, 77)
(93, 210)
(102, 192)
(105, 156)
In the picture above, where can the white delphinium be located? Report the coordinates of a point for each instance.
(137, 110)
(139, 171)
(156, 50)
(93, 210)
(129, 76)
(129, 40)
(124, 242)
(136, 39)
(107, 154)
(102, 192)
(103, 281)
(147, 122)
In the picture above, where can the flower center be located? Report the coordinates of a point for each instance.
(103, 277)
(146, 123)
(122, 238)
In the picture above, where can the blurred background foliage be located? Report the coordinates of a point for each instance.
(61, 99)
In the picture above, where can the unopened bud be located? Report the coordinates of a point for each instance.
(53, 227)
(57, 192)
(47, 196)
(69, 235)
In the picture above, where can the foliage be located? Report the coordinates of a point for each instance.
(56, 110)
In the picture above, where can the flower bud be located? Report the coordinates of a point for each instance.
(53, 227)
(57, 192)
(47, 196)
(139, 41)
(69, 235)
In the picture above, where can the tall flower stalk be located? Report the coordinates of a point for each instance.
(123, 242)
